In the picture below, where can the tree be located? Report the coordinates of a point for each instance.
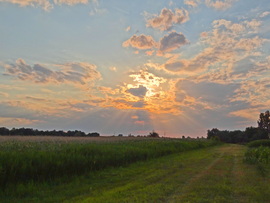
(264, 121)
(153, 134)
(213, 134)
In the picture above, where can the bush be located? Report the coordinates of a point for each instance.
(259, 143)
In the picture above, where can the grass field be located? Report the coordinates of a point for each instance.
(207, 174)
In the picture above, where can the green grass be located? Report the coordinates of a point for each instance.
(24, 162)
(214, 174)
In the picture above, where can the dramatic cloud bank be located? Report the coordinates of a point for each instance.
(179, 67)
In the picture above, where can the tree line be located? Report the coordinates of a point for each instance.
(250, 133)
(35, 132)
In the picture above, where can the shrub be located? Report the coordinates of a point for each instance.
(259, 143)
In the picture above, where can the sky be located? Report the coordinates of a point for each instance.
(178, 67)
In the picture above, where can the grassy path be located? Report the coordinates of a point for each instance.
(209, 175)
(215, 174)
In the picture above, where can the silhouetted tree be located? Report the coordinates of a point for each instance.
(213, 134)
(153, 134)
(95, 134)
(32, 132)
(237, 136)
(4, 131)
(264, 121)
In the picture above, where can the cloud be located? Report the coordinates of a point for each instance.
(220, 4)
(167, 19)
(47, 5)
(4, 94)
(172, 41)
(167, 43)
(175, 66)
(97, 11)
(192, 3)
(113, 68)
(70, 2)
(140, 42)
(128, 29)
(35, 99)
(11, 122)
(264, 14)
(139, 91)
(139, 104)
(249, 113)
(149, 53)
(44, 4)
(80, 107)
(212, 93)
(226, 44)
(77, 73)
(254, 91)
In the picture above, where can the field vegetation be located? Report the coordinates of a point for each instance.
(210, 174)
(24, 163)
(259, 154)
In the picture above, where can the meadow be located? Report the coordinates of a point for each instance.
(128, 170)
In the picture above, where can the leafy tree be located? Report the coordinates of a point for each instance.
(213, 134)
(264, 121)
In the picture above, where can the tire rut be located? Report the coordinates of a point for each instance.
(182, 190)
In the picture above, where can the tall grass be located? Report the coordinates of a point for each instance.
(22, 162)
(259, 155)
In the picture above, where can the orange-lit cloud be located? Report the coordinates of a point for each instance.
(149, 53)
(225, 44)
(168, 43)
(249, 113)
(47, 5)
(192, 3)
(4, 94)
(44, 4)
(9, 122)
(139, 122)
(220, 4)
(128, 29)
(70, 2)
(167, 18)
(140, 42)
